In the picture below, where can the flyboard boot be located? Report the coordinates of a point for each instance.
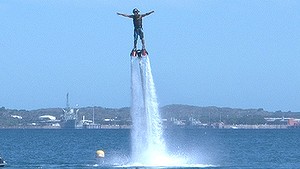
(144, 52)
(133, 52)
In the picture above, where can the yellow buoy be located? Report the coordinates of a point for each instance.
(100, 154)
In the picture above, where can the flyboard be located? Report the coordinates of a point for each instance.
(139, 53)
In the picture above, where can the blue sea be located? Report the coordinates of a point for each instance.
(201, 148)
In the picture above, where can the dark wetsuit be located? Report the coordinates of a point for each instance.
(138, 26)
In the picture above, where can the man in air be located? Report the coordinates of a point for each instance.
(138, 27)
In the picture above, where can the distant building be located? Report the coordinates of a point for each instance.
(16, 116)
(294, 122)
(47, 118)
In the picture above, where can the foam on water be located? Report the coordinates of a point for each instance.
(186, 166)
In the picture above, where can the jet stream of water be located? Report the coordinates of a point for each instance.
(148, 145)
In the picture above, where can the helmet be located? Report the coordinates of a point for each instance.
(135, 10)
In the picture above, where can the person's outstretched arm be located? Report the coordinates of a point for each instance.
(148, 13)
(125, 15)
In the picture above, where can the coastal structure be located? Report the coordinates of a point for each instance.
(69, 120)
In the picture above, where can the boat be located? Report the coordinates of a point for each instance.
(69, 120)
(2, 162)
(68, 124)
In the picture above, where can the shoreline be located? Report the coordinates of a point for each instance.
(117, 127)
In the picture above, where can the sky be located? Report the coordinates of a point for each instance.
(238, 54)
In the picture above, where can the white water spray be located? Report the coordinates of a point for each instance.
(148, 146)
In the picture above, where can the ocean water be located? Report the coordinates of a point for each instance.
(190, 148)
